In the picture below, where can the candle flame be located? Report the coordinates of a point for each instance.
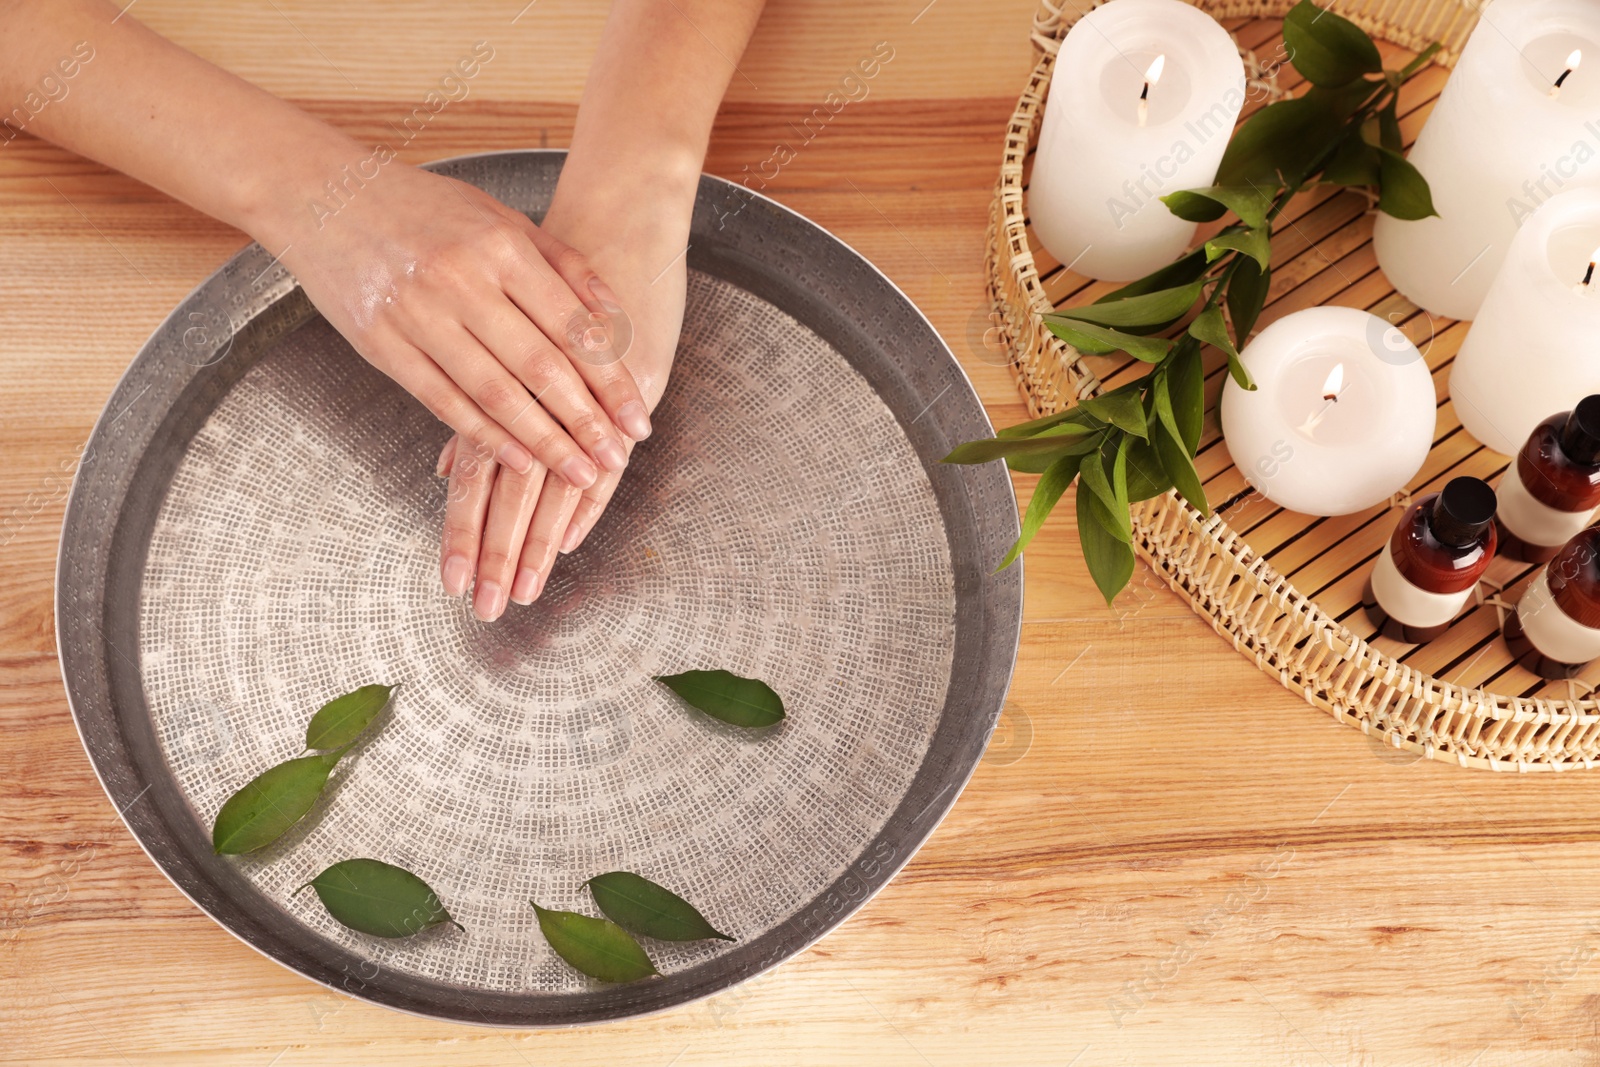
(1153, 75)
(1335, 383)
(1574, 61)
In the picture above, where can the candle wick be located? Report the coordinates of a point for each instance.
(1555, 90)
(1588, 275)
(1144, 105)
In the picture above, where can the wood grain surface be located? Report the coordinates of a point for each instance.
(1128, 879)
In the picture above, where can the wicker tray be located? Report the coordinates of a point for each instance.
(1285, 588)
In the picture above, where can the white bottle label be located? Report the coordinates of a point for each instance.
(1408, 603)
(1535, 522)
(1552, 631)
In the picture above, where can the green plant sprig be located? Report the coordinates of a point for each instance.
(1140, 439)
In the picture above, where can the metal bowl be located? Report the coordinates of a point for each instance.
(253, 530)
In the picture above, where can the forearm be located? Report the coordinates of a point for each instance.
(163, 115)
(653, 92)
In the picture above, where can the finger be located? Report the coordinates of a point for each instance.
(501, 396)
(591, 335)
(590, 507)
(550, 518)
(550, 376)
(416, 372)
(511, 506)
(447, 457)
(466, 501)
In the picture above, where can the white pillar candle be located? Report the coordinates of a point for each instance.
(1532, 351)
(1342, 416)
(1501, 141)
(1143, 100)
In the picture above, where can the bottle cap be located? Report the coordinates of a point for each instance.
(1580, 437)
(1462, 512)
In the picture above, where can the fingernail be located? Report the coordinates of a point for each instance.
(579, 473)
(610, 455)
(516, 457)
(602, 292)
(489, 602)
(526, 587)
(439, 468)
(635, 420)
(571, 539)
(456, 572)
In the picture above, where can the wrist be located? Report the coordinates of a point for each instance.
(651, 186)
(289, 194)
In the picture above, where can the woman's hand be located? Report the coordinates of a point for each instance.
(475, 311)
(625, 200)
(506, 528)
(461, 300)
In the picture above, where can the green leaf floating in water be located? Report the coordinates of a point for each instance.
(735, 700)
(342, 719)
(380, 899)
(597, 947)
(640, 906)
(270, 803)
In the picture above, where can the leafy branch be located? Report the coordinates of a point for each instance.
(1140, 440)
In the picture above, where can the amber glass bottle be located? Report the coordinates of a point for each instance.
(1427, 571)
(1550, 493)
(1556, 630)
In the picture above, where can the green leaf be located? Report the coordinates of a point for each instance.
(1257, 244)
(1076, 416)
(1108, 556)
(1405, 193)
(721, 695)
(1146, 477)
(1119, 479)
(1099, 341)
(1175, 459)
(342, 719)
(1354, 162)
(1279, 144)
(271, 802)
(1092, 473)
(1178, 273)
(1210, 329)
(1185, 376)
(1147, 310)
(1247, 296)
(1328, 49)
(377, 898)
(640, 906)
(1046, 495)
(993, 448)
(597, 947)
(1250, 203)
(1121, 410)
(1039, 463)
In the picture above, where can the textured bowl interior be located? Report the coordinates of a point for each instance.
(254, 529)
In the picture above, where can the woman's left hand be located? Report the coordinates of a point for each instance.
(503, 530)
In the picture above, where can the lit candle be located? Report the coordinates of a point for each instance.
(1518, 122)
(1143, 100)
(1342, 416)
(1532, 351)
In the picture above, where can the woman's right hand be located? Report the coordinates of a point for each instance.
(473, 310)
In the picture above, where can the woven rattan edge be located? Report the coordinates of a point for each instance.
(1257, 610)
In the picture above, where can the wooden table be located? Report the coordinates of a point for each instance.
(1126, 880)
